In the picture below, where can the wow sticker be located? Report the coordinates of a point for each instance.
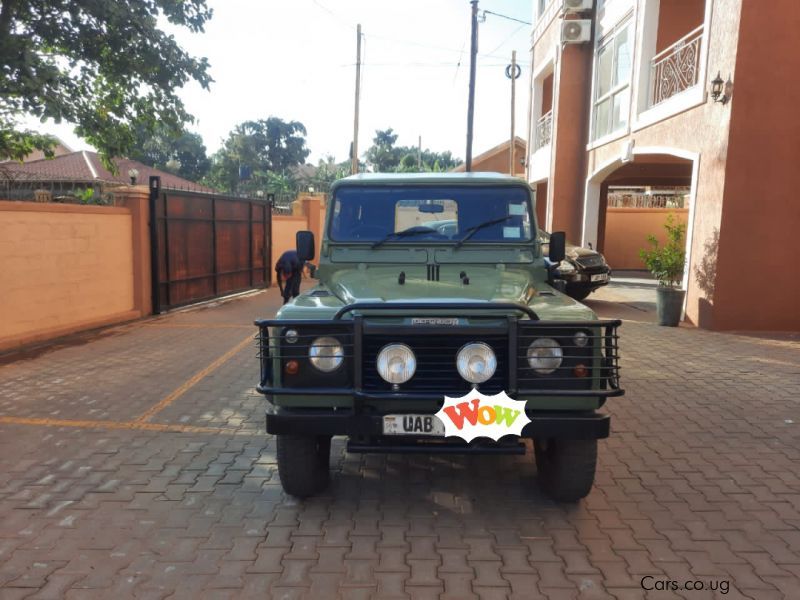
(477, 415)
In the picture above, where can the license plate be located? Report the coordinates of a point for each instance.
(413, 425)
(600, 277)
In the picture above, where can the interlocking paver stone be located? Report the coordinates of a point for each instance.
(700, 480)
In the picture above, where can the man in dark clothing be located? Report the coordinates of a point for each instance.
(289, 271)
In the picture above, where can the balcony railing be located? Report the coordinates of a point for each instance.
(676, 68)
(544, 130)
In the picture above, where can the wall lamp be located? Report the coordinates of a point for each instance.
(721, 91)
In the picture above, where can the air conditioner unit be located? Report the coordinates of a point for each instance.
(571, 6)
(576, 31)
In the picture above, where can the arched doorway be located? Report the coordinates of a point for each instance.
(626, 200)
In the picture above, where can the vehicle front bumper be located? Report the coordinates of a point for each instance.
(515, 376)
(576, 425)
(584, 279)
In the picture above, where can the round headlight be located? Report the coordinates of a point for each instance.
(476, 362)
(326, 354)
(396, 363)
(581, 339)
(545, 355)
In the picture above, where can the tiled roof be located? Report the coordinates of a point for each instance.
(86, 166)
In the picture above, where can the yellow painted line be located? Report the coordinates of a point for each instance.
(193, 380)
(111, 425)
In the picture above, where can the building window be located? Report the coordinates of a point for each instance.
(613, 61)
(540, 6)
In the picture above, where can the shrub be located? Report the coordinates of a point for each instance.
(667, 262)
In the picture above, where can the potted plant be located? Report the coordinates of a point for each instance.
(667, 264)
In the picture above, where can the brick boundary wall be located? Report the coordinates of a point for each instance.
(65, 268)
(308, 213)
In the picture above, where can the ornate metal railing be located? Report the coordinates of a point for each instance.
(676, 68)
(664, 197)
(544, 130)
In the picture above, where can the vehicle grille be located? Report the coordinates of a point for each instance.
(436, 363)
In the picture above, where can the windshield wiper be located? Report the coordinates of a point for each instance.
(415, 230)
(476, 228)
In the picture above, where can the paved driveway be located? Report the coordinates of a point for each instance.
(135, 463)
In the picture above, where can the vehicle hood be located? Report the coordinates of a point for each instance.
(487, 283)
(575, 252)
(380, 284)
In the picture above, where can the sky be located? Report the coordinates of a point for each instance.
(295, 59)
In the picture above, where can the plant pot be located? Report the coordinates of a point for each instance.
(669, 304)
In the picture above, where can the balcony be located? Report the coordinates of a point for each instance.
(544, 131)
(676, 68)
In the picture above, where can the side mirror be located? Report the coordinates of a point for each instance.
(305, 246)
(558, 246)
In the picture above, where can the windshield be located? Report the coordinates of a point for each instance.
(430, 214)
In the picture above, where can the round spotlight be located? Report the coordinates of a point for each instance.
(476, 362)
(396, 363)
(581, 339)
(291, 336)
(545, 355)
(326, 354)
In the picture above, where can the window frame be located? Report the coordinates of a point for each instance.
(528, 202)
(541, 7)
(610, 39)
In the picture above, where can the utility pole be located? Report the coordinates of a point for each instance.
(419, 155)
(511, 150)
(354, 158)
(471, 104)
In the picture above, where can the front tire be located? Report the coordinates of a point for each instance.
(566, 467)
(304, 463)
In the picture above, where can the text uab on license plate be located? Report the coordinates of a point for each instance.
(413, 425)
(600, 277)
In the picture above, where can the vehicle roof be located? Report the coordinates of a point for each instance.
(481, 178)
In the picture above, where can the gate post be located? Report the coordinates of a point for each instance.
(155, 189)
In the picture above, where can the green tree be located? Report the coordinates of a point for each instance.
(327, 171)
(254, 152)
(101, 66)
(183, 154)
(383, 156)
(408, 164)
(439, 161)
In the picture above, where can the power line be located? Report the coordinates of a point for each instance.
(427, 64)
(488, 12)
(429, 46)
(505, 41)
(342, 21)
(458, 64)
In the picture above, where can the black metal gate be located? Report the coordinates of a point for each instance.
(206, 245)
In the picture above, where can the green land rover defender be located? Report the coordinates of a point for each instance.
(435, 285)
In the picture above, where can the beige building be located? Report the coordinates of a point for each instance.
(626, 120)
